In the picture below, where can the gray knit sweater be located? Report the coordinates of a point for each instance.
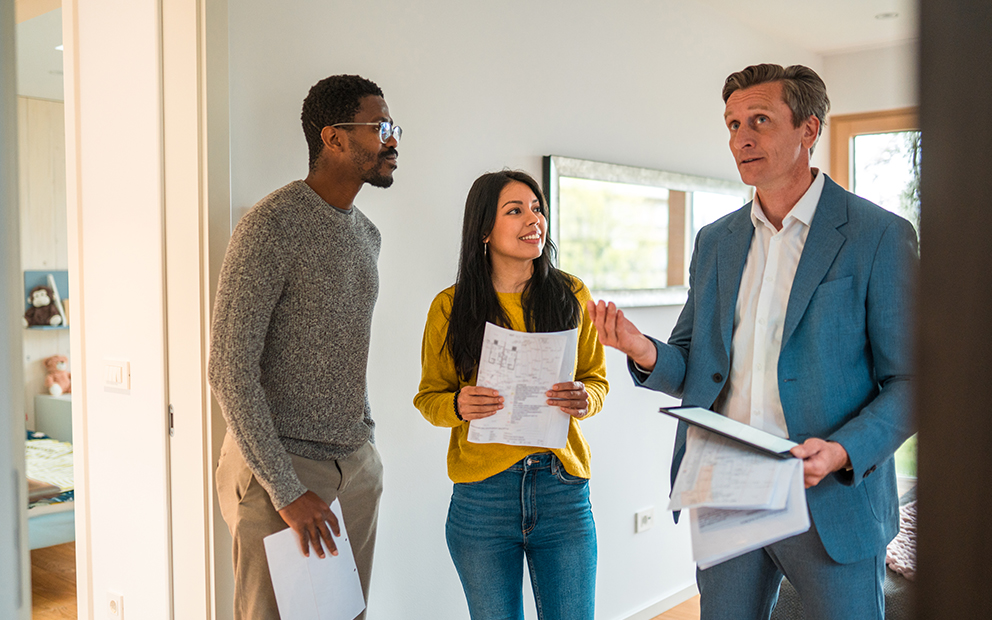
(290, 337)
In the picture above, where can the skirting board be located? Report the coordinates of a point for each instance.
(659, 607)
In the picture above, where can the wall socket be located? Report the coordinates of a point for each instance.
(115, 605)
(643, 520)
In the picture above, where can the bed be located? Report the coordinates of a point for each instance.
(51, 515)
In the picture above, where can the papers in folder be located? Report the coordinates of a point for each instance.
(314, 588)
(739, 499)
(523, 366)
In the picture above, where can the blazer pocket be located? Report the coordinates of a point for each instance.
(834, 287)
(833, 306)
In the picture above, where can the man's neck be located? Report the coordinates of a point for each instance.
(776, 202)
(336, 190)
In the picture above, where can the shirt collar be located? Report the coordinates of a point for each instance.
(802, 210)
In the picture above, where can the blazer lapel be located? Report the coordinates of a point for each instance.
(731, 254)
(822, 245)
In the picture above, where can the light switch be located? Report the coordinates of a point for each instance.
(118, 374)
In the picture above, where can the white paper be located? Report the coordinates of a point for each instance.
(523, 366)
(717, 472)
(719, 535)
(314, 588)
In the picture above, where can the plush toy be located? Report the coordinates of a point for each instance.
(43, 310)
(58, 379)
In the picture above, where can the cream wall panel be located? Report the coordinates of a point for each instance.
(42, 162)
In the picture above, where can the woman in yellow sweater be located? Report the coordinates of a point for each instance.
(509, 502)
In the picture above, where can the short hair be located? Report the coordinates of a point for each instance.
(802, 89)
(332, 100)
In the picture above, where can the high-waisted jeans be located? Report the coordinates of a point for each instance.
(534, 510)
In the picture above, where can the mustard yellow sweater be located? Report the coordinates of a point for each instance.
(470, 462)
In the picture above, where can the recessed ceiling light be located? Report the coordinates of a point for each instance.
(887, 16)
(58, 47)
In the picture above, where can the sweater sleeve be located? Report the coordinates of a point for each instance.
(252, 278)
(590, 366)
(438, 377)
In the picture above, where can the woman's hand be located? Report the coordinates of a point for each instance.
(571, 397)
(475, 403)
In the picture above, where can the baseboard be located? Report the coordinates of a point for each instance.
(664, 604)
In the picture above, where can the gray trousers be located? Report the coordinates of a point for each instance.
(356, 480)
(746, 587)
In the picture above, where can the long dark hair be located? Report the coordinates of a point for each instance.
(549, 301)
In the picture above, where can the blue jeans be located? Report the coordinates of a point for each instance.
(533, 509)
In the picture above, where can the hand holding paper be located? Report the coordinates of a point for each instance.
(820, 458)
(521, 366)
(571, 397)
(309, 516)
(310, 588)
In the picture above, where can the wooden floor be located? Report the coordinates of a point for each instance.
(53, 582)
(688, 610)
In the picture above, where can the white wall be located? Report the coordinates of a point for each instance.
(876, 79)
(480, 87)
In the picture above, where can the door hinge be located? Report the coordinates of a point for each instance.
(172, 421)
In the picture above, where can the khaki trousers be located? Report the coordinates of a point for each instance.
(250, 515)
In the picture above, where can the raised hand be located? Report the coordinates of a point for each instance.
(616, 331)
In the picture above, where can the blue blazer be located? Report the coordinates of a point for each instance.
(846, 359)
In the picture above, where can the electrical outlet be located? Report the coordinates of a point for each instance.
(643, 520)
(115, 605)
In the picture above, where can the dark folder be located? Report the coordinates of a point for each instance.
(732, 429)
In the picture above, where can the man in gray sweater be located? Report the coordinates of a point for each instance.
(290, 342)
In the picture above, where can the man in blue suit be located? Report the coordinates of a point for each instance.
(797, 322)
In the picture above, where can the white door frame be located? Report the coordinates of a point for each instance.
(15, 558)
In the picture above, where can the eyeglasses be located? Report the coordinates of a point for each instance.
(386, 130)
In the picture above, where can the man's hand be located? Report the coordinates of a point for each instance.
(309, 515)
(571, 397)
(820, 458)
(476, 402)
(616, 331)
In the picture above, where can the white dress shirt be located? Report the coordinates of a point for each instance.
(751, 393)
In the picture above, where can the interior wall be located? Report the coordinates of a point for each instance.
(44, 243)
(883, 78)
(479, 87)
(115, 189)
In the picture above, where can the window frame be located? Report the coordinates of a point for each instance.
(844, 128)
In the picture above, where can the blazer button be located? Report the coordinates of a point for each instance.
(717, 377)
(870, 469)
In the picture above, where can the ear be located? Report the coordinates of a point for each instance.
(332, 139)
(811, 131)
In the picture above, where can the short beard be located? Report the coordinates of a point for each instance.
(372, 176)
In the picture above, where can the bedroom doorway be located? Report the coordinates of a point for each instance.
(45, 337)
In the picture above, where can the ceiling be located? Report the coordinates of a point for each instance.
(825, 28)
(39, 64)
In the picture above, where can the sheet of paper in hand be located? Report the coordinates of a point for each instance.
(311, 588)
(523, 366)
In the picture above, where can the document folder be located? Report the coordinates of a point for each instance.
(732, 429)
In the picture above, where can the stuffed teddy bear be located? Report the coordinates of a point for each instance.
(58, 379)
(43, 310)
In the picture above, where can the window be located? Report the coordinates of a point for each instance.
(628, 232)
(877, 156)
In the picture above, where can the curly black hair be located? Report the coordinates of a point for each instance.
(332, 100)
